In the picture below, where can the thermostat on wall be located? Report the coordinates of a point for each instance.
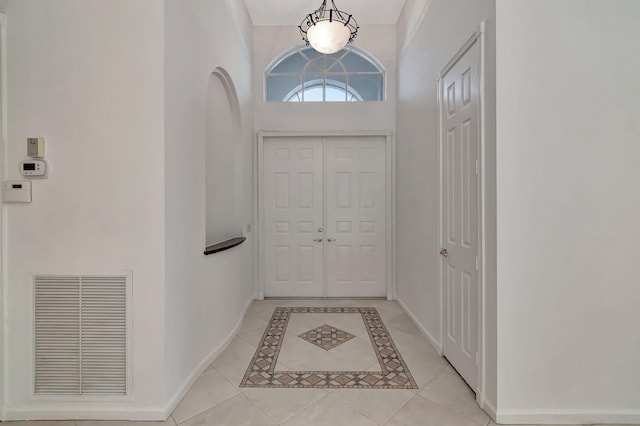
(30, 168)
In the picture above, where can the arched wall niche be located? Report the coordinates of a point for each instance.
(222, 157)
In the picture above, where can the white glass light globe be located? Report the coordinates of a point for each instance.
(328, 37)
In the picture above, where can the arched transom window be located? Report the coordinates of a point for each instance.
(305, 75)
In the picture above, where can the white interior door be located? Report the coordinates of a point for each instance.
(293, 213)
(355, 216)
(459, 115)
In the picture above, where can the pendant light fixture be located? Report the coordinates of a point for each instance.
(328, 30)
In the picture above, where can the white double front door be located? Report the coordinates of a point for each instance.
(324, 216)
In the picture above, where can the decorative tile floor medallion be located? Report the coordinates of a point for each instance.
(262, 373)
(326, 337)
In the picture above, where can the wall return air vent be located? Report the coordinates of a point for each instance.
(80, 335)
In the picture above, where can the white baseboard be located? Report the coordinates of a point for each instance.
(113, 411)
(182, 391)
(70, 411)
(434, 342)
(562, 416)
(489, 408)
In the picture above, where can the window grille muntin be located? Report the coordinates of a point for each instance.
(294, 77)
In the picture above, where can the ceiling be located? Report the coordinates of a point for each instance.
(291, 12)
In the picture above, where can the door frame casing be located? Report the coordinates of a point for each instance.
(390, 202)
(4, 347)
(477, 38)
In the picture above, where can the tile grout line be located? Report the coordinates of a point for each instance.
(304, 408)
(275, 422)
(205, 411)
(243, 393)
(432, 379)
(359, 412)
(367, 417)
(247, 342)
(400, 409)
(416, 394)
(217, 405)
(454, 411)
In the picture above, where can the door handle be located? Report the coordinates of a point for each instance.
(331, 239)
(318, 240)
(444, 252)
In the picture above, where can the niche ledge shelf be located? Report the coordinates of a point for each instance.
(225, 245)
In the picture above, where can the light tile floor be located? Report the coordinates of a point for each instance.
(215, 399)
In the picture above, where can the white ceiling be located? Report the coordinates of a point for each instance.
(291, 12)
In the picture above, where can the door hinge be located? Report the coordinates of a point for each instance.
(477, 359)
(476, 167)
(477, 263)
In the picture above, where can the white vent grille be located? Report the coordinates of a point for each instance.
(81, 335)
(57, 335)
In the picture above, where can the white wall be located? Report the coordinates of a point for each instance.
(568, 165)
(270, 42)
(445, 27)
(88, 76)
(409, 21)
(3, 170)
(112, 201)
(206, 295)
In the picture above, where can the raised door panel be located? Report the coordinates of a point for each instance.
(292, 199)
(355, 208)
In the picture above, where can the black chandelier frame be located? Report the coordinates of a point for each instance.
(328, 14)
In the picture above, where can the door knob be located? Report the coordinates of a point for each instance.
(444, 252)
(320, 229)
(331, 239)
(318, 240)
